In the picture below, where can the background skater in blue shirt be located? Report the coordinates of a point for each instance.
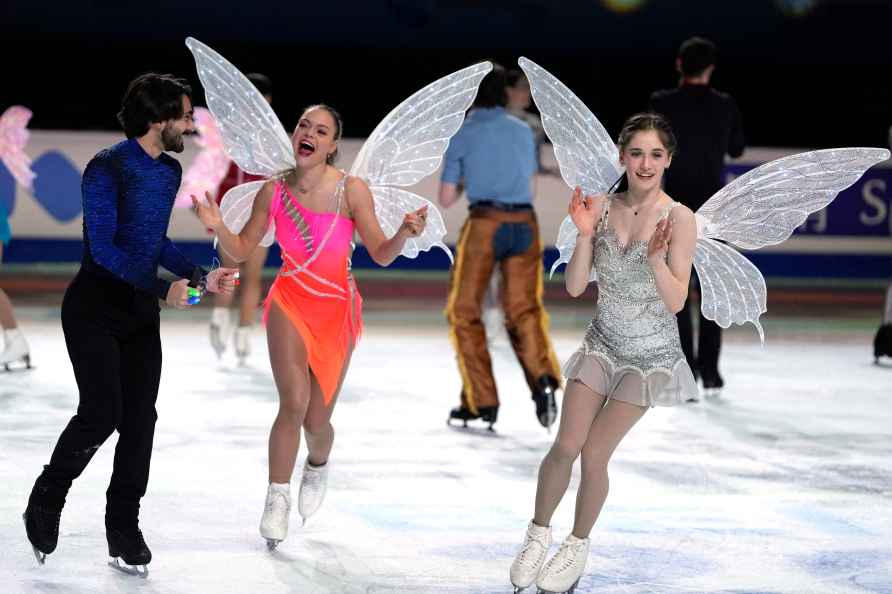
(494, 156)
(110, 316)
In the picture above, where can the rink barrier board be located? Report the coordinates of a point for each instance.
(851, 239)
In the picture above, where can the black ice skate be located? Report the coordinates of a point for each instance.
(712, 385)
(487, 414)
(42, 527)
(882, 343)
(127, 551)
(546, 406)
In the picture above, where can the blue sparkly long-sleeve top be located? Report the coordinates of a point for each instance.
(128, 198)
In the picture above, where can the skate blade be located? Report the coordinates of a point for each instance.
(135, 570)
(272, 544)
(38, 554)
(489, 431)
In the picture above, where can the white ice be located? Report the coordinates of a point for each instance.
(783, 484)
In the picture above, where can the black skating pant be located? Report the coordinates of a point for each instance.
(705, 360)
(112, 334)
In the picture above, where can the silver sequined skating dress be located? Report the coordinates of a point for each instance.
(631, 350)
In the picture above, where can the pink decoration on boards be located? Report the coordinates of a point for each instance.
(210, 165)
(13, 138)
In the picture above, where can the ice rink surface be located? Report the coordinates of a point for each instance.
(783, 484)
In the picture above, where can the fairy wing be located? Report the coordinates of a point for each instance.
(586, 154)
(13, 138)
(408, 145)
(764, 207)
(209, 167)
(566, 245)
(732, 290)
(236, 206)
(252, 134)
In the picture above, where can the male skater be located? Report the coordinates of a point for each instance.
(110, 316)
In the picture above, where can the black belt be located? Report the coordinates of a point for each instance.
(503, 206)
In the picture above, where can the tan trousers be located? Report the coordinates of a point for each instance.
(510, 240)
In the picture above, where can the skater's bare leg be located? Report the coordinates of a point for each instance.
(288, 357)
(251, 285)
(318, 429)
(7, 317)
(608, 429)
(580, 408)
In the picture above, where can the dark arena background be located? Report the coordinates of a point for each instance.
(780, 483)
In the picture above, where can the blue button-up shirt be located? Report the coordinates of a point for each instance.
(494, 155)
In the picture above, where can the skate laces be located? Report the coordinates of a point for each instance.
(272, 497)
(528, 555)
(566, 556)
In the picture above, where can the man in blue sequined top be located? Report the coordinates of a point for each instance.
(110, 314)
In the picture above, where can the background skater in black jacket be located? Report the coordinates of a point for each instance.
(707, 125)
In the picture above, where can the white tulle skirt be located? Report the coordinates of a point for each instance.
(660, 386)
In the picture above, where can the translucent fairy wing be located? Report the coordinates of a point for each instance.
(209, 167)
(391, 205)
(408, 145)
(566, 245)
(13, 138)
(252, 134)
(764, 206)
(586, 154)
(732, 288)
(236, 206)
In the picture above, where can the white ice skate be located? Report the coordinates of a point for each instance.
(312, 489)
(15, 349)
(529, 560)
(274, 523)
(242, 343)
(493, 323)
(220, 329)
(561, 573)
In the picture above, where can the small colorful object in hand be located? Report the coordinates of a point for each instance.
(236, 278)
(194, 296)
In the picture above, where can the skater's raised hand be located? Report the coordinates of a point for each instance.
(178, 294)
(222, 280)
(659, 241)
(585, 211)
(414, 222)
(208, 211)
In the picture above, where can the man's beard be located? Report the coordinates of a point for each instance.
(171, 140)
